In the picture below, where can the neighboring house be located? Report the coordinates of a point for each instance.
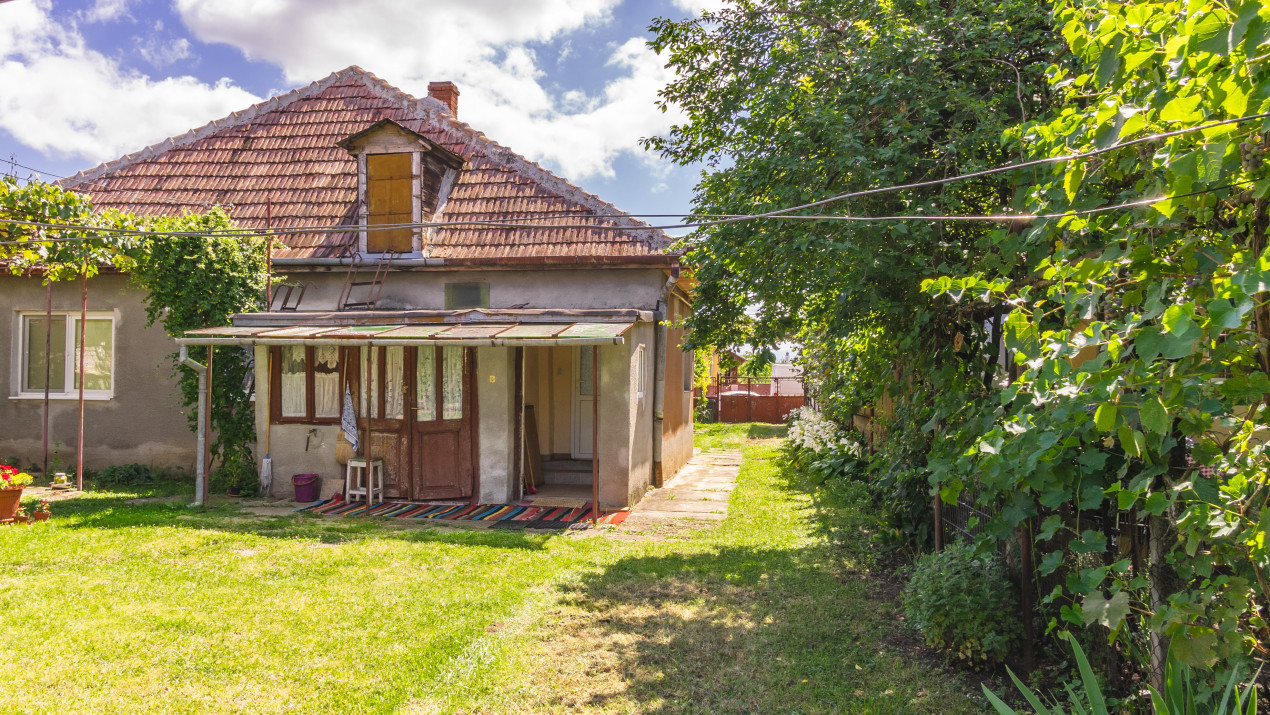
(466, 327)
(787, 379)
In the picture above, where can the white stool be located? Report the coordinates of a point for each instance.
(357, 483)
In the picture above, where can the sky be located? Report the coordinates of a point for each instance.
(570, 84)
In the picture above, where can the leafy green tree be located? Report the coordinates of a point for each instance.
(1142, 335)
(795, 102)
(191, 281)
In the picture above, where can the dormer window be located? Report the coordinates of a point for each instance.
(403, 179)
(390, 202)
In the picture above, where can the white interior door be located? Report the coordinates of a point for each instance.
(583, 401)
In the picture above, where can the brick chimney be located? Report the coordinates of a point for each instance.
(447, 93)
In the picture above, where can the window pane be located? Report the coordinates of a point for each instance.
(326, 381)
(293, 387)
(394, 383)
(97, 358)
(35, 362)
(451, 383)
(426, 385)
(586, 373)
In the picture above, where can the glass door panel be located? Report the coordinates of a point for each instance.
(426, 384)
(451, 383)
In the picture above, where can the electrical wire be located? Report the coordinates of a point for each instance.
(999, 218)
(776, 213)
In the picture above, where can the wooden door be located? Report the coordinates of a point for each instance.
(444, 413)
(583, 401)
(385, 402)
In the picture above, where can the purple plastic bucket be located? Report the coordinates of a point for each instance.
(307, 487)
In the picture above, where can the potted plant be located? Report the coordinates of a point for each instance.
(59, 480)
(20, 517)
(41, 511)
(12, 482)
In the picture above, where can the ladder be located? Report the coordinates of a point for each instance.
(373, 287)
(286, 292)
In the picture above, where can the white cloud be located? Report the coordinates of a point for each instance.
(63, 99)
(162, 54)
(107, 10)
(484, 46)
(695, 6)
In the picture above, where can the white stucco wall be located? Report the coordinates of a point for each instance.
(495, 389)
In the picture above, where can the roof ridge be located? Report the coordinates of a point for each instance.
(231, 120)
(427, 109)
(561, 186)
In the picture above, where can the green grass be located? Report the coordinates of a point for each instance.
(119, 607)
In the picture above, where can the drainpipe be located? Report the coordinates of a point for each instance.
(659, 371)
(199, 476)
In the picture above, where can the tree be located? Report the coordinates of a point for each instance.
(1142, 335)
(191, 281)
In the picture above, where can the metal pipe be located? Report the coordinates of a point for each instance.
(659, 372)
(48, 361)
(83, 345)
(460, 342)
(595, 435)
(199, 476)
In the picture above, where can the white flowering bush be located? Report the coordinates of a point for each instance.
(809, 430)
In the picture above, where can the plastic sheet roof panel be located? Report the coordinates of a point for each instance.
(466, 334)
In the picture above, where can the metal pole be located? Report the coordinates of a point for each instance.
(269, 254)
(207, 430)
(939, 523)
(83, 340)
(48, 360)
(369, 409)
(595, 434)
(201, 414)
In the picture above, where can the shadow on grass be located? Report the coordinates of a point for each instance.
(793, 627)
(766, 431)
(119, 510)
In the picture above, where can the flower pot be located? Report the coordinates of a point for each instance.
(40, 516)
(9, 500)
(235, 491)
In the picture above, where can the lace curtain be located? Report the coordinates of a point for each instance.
(293, 383)
(326, 381)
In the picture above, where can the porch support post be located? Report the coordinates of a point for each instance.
(595, 437)
(369, 409)
(518, 439)
(207, 432)
(48, 360)
(83, 332)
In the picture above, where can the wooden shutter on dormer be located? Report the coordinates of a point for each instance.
(390, 200)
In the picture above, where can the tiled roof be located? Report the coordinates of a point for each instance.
(281, 158)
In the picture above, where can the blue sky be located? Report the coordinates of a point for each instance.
(567, 83)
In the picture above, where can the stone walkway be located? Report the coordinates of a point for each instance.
(700, 491)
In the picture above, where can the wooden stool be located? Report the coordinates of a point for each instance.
(356, 481)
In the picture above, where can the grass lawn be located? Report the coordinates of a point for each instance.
(122, 607)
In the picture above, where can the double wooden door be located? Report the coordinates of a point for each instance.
(422, 409)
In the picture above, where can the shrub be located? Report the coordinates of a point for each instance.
(964, 604)
(125, 475)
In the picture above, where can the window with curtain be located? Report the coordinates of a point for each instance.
(305, 384)
(50, 352)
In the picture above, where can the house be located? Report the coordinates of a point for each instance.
(462, 295)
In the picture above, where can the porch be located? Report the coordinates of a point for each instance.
(458, 405)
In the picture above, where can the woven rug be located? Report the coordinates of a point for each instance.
(511, 516)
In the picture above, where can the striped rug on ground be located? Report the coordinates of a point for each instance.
(544, 516)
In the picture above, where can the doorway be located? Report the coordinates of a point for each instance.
(421, 405)
(584, 387)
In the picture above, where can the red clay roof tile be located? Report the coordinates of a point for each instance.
(284, 151)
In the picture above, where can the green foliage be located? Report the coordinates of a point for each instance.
(130, 475)
(759, 364)
(237, 470)
(196, 282)
(1138, 331)
(963, 603)
(1178, 699)
(190, 281)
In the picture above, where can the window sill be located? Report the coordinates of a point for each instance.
(64, 396)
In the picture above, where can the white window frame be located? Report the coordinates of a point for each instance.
(640, 379)
(70, 392)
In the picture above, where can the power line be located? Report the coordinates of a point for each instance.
(998, 218)
(724, 218)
